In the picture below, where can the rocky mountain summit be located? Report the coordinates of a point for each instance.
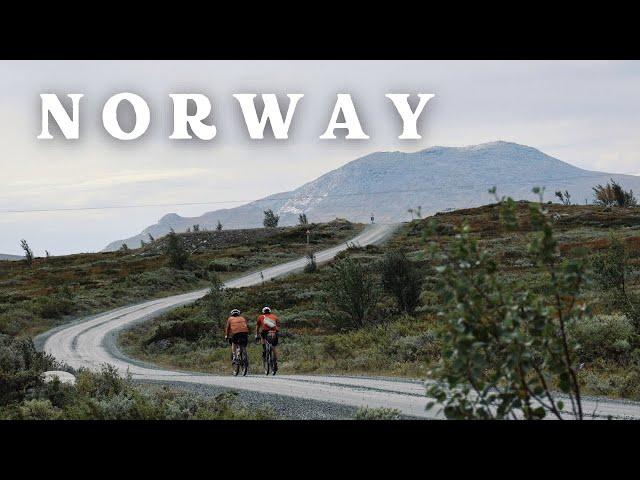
(388, 184)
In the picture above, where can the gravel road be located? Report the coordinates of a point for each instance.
(92, 342)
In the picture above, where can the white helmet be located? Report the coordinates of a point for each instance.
(235, 312)
(266, 310)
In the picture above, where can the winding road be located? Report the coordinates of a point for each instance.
(90, 343)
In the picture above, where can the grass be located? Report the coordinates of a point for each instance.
(403, 345)
(57, 289)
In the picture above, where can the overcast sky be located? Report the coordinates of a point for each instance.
(585, 113)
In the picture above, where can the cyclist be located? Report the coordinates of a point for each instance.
(236, 332)
(268, 323)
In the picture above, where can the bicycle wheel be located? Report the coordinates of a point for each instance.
(236, 367)
(245, 362)
(267, 361)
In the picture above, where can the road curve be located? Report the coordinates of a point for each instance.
(89, 344)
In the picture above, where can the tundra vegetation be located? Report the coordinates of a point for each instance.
(534, 262)
(54, 290)
(531, 254)
(505, 347)
(57, 289)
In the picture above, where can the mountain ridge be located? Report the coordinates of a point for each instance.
(389, 183)
(13, 258)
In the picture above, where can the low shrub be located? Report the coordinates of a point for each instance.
(414, 348)
(53, 307)
(21, 367)
(366, 413)
(608, 337)
(188, 329)
(606, 378)
(104, 395)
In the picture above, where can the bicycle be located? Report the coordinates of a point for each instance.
(269, 361)
(240, 360)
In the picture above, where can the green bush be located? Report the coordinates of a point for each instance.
(15, 320)
(97, 396)
(177, 255)
(21, 367)
(603, 378)
(608, 337)
(402, 279)
(188, 329)
(270, 219)
(414, 348)
(52, 307)
(504, 344)
(37, 409)
(366, 413)
(354, 292)
(218, 267)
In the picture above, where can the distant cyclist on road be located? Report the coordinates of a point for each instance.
(268, 324)
(236, 332)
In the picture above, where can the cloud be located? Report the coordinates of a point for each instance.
(123, 178)
(581, 112)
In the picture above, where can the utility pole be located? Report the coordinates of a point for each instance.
(308, 233)
(371, 217)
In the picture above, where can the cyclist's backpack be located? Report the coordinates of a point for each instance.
(269, 322)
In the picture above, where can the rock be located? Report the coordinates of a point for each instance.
(64, 377)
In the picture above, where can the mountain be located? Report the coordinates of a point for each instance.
(5, 256)
(389, 183)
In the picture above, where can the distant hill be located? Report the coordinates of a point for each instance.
(4, 256)
(389, 183)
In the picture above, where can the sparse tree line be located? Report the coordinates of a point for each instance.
(609, 195)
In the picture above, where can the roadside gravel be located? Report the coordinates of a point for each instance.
(284, 407)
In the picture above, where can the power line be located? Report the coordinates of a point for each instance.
(275, 198)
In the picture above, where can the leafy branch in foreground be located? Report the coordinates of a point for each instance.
(505, 346)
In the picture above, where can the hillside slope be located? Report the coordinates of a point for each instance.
(316, 340)
(4, 256)
(389, 183)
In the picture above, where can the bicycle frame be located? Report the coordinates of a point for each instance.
(269, 360)
(239, 360)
